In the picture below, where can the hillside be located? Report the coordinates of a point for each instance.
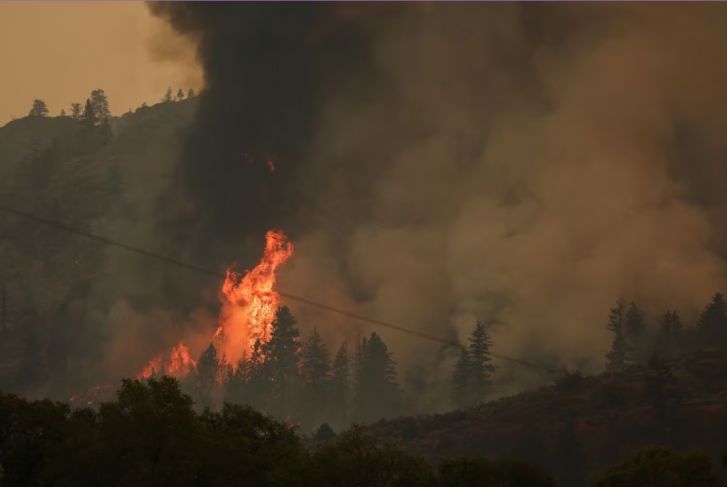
(581, 424)
(105, 180)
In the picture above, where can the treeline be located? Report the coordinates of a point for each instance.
(636, 340)
(96, 109)
(151, 435)
(299, 378)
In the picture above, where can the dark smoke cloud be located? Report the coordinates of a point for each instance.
(521, 164)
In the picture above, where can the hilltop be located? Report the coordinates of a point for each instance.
(581, 424)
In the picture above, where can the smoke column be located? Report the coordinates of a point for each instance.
(521, 164)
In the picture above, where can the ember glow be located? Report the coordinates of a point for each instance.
(249, 302)
(178, 364)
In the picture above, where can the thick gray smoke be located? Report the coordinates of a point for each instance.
(525, 165)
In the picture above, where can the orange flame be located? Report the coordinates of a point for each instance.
(249, 302)
(178, 364)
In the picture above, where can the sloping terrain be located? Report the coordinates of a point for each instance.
(581, 424)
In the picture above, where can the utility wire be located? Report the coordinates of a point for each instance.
(202, 270)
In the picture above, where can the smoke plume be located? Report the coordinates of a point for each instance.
(525, 165)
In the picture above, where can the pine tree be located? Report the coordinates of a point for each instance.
(89, 116)
(100, 106)
(191, 93)
(481, 367)
(315, 369)
(340, 386)
(39, 109)
(180, 95)
(670, 335)
(712, 323)
(616, 357)
(281, 360)
(168, 95)
(634, 331)
(76, 111)
(377, 393)
(63, 113)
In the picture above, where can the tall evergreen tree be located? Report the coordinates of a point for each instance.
(191, 93)
(89, 116)
(712, 323)
(76, 111)
(180, 94)
(281, 361)
(377, 393)
(100, 105)
(670, 337)
(39, 109)
(315, 371)
(634, 330)
(340, 386)
(616, 358)
(480, 362)
(168, 95)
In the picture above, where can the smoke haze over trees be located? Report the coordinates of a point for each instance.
(521, 166)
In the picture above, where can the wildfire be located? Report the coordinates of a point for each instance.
(178, 364)
(249, 302)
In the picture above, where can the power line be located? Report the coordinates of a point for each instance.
(208, 272)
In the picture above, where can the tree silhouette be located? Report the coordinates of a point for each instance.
(377, 393)
(480, 362)
(616, 358)
(315, 367)
(191, 93)
(340, 386)
(39, 109)
(100, 106)
(168, 95)
(180, 94)
(634, 330)
(712, 323)
(75, 111)
(281, 361)
(670, 335)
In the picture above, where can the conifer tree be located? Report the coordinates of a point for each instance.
(315, 369)
(168, 95)
(377, 393)
(39, 109)
(191, 93)
(340, 386)
(100, 106)
(634, 331)
(76, 111)
(480, 362)
(616, 358)
(281, 361)
(180, 94)
(89, 116)
(712, 323)
(670, 336)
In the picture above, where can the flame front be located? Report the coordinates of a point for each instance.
(179, 364)
(249, 302)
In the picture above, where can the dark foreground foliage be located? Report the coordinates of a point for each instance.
(151, 435)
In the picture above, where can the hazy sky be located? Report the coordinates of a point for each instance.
(60, 51)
